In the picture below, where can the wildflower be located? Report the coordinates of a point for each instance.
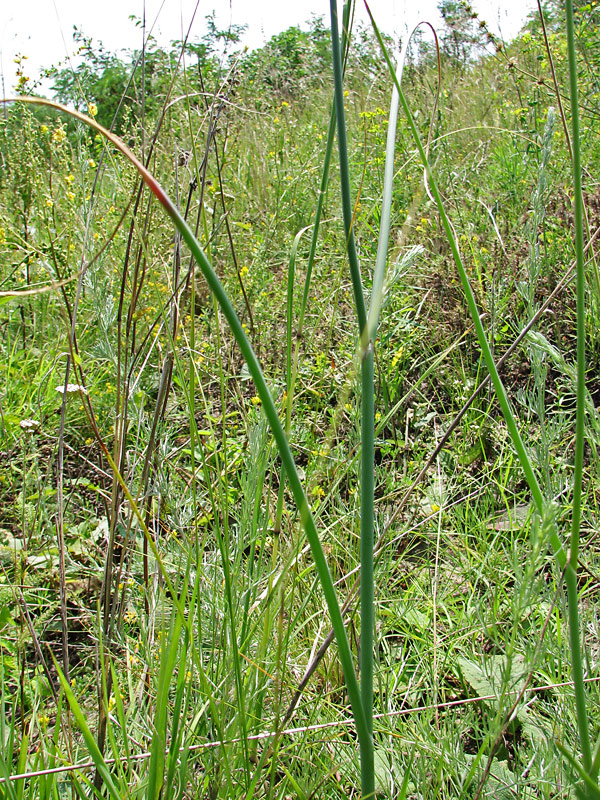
(130, 616)
(284, 104)
(346, 93)
(43, 129)
(255, 400)
(243, 271)
(92, 109)
(2, 236)
(70, 196)
(59, 135)
(71, 388)
(49, 202)
(318, 491)
(275, 120)
(29, 425)
(70, 178)
(92, 163)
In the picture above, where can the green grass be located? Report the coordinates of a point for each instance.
(175, 539)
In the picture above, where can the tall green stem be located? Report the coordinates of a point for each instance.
(367, 773)
(367, 512)
(571, 572)
(359, 299)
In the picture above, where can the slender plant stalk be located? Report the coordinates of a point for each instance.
(571, 572)
(367, 756)
(359, 299)
(367, 536)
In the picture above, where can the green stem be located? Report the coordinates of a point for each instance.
(367, 512)
(359, 299)
(367, 772)
(571, 573)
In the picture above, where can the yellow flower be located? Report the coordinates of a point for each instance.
(43, 129)
(243, 271)
(92, 109)
(2, 236)
(49, 202)
(70, 178)
(346, 93)
(59, 135)
(255, 400)
(92, 163)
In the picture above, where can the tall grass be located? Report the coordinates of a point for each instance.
(219, 629)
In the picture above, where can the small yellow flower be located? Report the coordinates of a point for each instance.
(70, 196)
(92, 163)
(255, 400)
(59, 135)
(92, 109)
(49, 202)
(43, 129)
(243, 271)
(2, 236)
(284, 104)
(70, 178)
(346, 93)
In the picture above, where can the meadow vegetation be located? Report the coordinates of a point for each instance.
(163, 626)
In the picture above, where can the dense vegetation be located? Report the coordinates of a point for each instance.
(162, 623)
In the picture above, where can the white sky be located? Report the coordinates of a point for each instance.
(42, 29)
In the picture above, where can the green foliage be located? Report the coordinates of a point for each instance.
(191, 602)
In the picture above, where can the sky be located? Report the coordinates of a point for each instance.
(43, 29)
